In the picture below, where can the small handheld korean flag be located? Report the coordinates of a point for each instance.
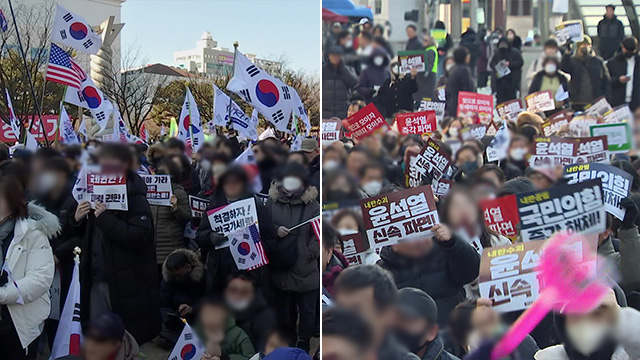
(69, 334)
(188, 346)
(270, 96)
(246, 248)
(92, 98)
(71, 30)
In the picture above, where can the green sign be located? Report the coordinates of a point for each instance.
(618, 136)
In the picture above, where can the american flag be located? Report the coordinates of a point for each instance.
(315, 224)
(255, 235)
(246, 248)
(3, 22)
(62, 69)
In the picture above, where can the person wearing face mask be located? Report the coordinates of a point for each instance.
(589, 75)
(468, 160)
(371, 179)
(234, 185)
(294, 254)
(333, 262)
(550, 78)
(610, 332)
(332, 159)
(249, 307)
(507, 86)
(624, 70)
(459, 79)
(181, 289)
(517, 156)
(550, 50)
(396, 93)
(514, 40)
(448, 65)
(416, 325)
(375, 74)
(428, 78)
(338, 79)
(169, 221)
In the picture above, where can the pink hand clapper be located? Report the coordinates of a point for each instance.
(567, 284)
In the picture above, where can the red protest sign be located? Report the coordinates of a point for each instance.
(365, 122)
(50, 125)
(476, 106)
(501, 215)
(422, 122)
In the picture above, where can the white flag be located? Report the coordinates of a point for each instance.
(30, 142)
(270, 96)
(300, 112)
(71, 30)
(69, 334)
(239, 120)
(296, 144)
(92, 98)
(79, 191)
(189, 126)
(13, 119)
(188, 345)
(67, 131)
(267, 134)
(83, 129)
(247, 158)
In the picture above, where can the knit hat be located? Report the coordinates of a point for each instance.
(587, 39)
(287, 353)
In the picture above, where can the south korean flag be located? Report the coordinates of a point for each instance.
(270, 96)
(90, 97)
(71, 30)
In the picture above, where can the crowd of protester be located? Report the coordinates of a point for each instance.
(419, 299)
(141, 274)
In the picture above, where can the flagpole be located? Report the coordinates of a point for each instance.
(28, 73)
(64, 95)
(233, 70)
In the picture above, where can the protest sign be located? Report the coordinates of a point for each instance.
(473, 131)
(577, 208)
(540, 101)
(411, 59)
(508, 274)
(501, 215)
(233, 217)
(502, 69)
(412, 176)
(423, 122)
(198, 206)
(618, 114)
(554, 150)
(365, 122)
(399, 216)
(580, 125)
(551, 126)
(509, 110)
(159, 189)
(618, 135)
(437, 106)
(569, 30)
(432, 161)
(441, 91)
(331, 130)
(598, 108)
(50, 128)
(108, 187)
(476, 106)
(499, 145)
(355, 248)
(616, 183)
(441, 187)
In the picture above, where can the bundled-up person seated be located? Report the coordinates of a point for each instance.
(218, 331)
(181, 288)
(276, 338)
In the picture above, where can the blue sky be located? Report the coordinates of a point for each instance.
(267, 28)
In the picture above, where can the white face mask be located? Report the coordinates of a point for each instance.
(349, 43)
(449, 67)
(518, 154)
(372, 188)
(550, 68)
(291, 183)
(330, 165)
(238, 305)
(378, 60)
(453, 131)
(344, 232)
(218, 169)
(205, 165)
(587, 335)
(46, 182)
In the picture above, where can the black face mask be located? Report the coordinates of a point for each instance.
(413, 342)
(469, 167)
(504, 49)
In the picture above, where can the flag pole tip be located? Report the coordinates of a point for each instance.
(77, 251)
(235, 45)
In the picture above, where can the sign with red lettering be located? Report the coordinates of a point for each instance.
(540, 101)
(509, 110)
(423, 122)
(476, 106)
(365, 122)
(331, 131)
(107, 187)
(399, 216)
(50, 125)
(501, 215)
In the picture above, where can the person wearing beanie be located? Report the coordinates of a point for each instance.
(295, 251)
(416, 325)
(589, 75)
(542, 177)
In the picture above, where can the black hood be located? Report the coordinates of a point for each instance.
(379, 51)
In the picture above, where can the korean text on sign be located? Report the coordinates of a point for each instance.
(107, 188)
(198, 206)
(234, 217)
(159, 189)
(501, 215)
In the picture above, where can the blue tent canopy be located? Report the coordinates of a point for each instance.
(348, 8)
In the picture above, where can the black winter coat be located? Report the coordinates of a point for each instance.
(441, 273)
(617, 67)
(471, 41)
(414, 44)
(397, 96)
(177, 291)
(611, 33)
(460, 79)
(436, 351)
(507, 86)
(130, 265)
(337, 83)
(598, 74)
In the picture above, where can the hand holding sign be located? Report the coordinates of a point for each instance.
(568, 286)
